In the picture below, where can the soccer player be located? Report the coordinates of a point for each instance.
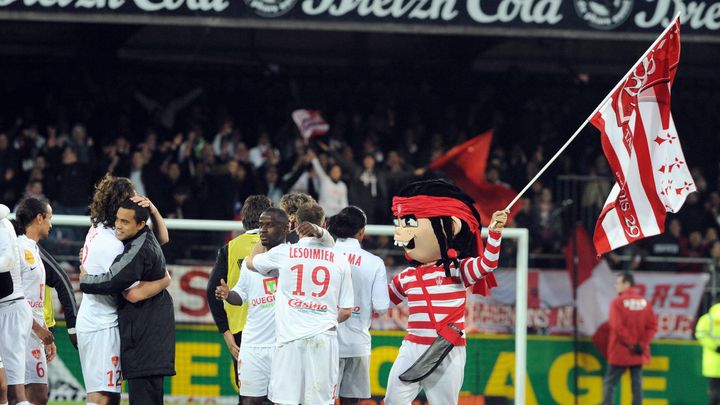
(314, 294)
(33, 223)
(15, 315)
(230, 320)
(258, 291)
(369, 281)
(290, 203)
(97, 323)
(147, 328)
(8, 263)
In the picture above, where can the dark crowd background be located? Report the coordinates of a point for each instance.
(198, 141)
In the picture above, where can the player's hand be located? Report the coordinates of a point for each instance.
(50, 352)
(232, 346)
(83, 273)
(498, 221)
(309, 229)
(144, 202)
(222, 291)
(73, 339)
(44, 334)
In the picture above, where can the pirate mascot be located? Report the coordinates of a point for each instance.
(439, 228)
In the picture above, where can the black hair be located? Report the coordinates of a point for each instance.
(278, 213)
(141, 213)
(464, 242)
(26, 212)
(253, 206)
(347, 223)
(627, 277)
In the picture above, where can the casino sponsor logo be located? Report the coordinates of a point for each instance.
(604, 14)
(307, 305)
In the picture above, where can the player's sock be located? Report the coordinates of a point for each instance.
(89, 403)
(24, 403)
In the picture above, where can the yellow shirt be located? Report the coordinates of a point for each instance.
(707, 332)
(238, 248)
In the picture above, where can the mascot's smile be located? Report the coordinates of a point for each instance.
(407, 245)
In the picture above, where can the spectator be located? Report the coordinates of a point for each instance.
(333, 194)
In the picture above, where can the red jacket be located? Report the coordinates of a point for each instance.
(632, 321)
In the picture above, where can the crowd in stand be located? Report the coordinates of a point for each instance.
(199, 154)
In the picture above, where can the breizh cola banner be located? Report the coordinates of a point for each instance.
(533, 17)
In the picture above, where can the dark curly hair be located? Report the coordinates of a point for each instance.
(109, 194)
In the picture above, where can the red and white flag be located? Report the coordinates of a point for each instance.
(595, 288)
(310, 123)
(643, 149)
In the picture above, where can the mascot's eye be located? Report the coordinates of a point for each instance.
(396, 222)
(411, 222)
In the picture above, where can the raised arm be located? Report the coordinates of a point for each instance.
(158, 223)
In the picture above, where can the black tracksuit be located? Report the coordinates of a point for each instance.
(147, 328)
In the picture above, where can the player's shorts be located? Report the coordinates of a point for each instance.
(354, 377)
(100, 360)
(305, 371)
(254, 367)
(36, 371)
(441, 387)
(15, 329)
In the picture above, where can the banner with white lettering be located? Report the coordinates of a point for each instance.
(675, 298)
(548, 18)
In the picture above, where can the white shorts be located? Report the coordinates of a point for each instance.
(305, 371)
(254, 367)
(35, 361)
(354, 377)
(100, 360)
(15, 329)
(441, 387)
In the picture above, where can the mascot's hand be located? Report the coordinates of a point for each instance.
(499, 218)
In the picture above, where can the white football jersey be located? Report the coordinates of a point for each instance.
(10, 256)
(369, 281)
(33, 277)
(313, 282)
(98, 312)
(258, 293)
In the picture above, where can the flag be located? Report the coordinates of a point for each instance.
(641, 144)
(465, 166)
(310, 123)
(595, 288)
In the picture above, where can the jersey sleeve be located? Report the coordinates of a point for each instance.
(57, 278)
(326, 239)
(271, 260)
(474, 269)
(380, 297)
(396, 290)
(126, 270)
(8, 246)
(243, 284)
(219, 271)
(347, 295)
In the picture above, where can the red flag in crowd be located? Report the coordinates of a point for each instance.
(310, 123)
(643, 149)
(595, 288)
(465, 165)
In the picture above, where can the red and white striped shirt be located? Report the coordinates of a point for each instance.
(447, 293)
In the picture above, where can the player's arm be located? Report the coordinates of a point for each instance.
(380, 297)
(219, 272)
(56, 278)
(158, 223)
(234, 296)
(124, 272)
(346, 299)
(267, 262)
(43, 333)
(307, 228)
(147, 289)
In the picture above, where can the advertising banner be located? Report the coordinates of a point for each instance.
(548, 18)
(205, 373)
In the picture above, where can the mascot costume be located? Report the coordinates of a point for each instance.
(439, 229)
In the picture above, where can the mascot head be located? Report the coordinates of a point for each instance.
(437, 223)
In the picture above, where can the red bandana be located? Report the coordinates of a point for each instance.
(424, 206)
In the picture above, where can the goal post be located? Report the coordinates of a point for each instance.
(520, 235)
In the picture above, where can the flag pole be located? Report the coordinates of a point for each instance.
(582, 126)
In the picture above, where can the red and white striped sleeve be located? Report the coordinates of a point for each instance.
(475, 268)
(396, 289)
